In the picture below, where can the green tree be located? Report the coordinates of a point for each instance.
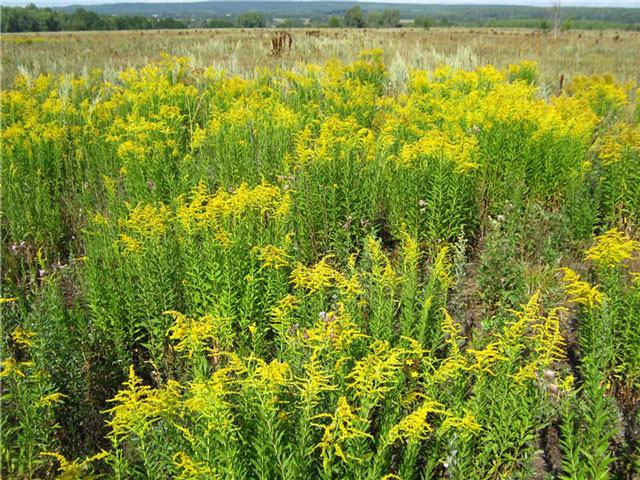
(292, 23)
(251, 19)
(374, 19)
(334, 21)
(424, 22)
(567, 24)
(170, 23)
(544, 26)
(353, 17)
(391, 18)
(218, 23)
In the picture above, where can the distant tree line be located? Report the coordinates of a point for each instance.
(355, 17)
(33, 19)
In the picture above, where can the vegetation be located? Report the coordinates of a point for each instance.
(337, 271)
(249, 14)
(251, 20)
(423, 22)
(33, 19)
(238, 52)
(354, 18)
(390, 18)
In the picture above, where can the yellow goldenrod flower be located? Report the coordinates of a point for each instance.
(284, 307)
(9, 366)
(272, 256)
(208, 401)
(139, 406)
(317, 379)
(338, 334)
(486, 357)
(75, 468)
(202, 335)
(372, 376)
(318, 277)
(451, 329)
(343, 426)
(579, 291)
(270, 376)
(129, 244)
(22, 337)
(51, 399)
(612, 248)
(567, 384)
(200, 209)
(610, 149)
(147, 221)
(467, 424)
(193, 470)
(414, 426)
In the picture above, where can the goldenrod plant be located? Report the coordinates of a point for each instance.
(313, 273)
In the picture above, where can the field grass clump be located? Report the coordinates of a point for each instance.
(313, 273)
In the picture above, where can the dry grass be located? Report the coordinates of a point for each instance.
(241, 51)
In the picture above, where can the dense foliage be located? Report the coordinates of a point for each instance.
(328, 272)
(33, 19)
(460, 14)
(251, 19)
(246, 14)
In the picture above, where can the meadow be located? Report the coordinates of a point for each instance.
(380, 255)
(238, 52)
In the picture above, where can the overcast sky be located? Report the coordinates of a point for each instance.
(538, 3)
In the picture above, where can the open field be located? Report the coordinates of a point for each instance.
(374, 256)
(239, 52)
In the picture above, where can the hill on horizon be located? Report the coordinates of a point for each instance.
(289, 9)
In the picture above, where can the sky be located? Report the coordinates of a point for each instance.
(538, 3)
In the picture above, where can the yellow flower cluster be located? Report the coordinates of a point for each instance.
(193, 470)
(147, 221)
(28, 40)
(272, 257)
(76, 468)
(317, 379)
(322, 276)
(525, 70)
(343, 425)
(546, 339)
(198, 336)
(579, 291)
(371, 376)
(200, 209)
(415, 426)
(459, 147)
(466, 425)
(284, 307)
(22, 337)
(139, 406)
(269, 376)
(12, 367)
(338, 334)
(529, 332)
(600, 91)
(612, 248)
